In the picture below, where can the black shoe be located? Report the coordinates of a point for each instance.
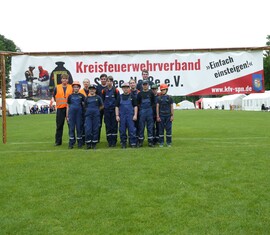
(94, 147)
(70, 146)
(88, 146)
(123, 146)
(57, 144)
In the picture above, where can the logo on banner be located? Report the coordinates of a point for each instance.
(257, 82)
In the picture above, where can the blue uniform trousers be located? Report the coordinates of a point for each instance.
(146, 117)
(111, 126)
(165, 124)
(92, 124)
(126, 112)
(75, 122)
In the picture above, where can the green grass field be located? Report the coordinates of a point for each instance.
(214, 180)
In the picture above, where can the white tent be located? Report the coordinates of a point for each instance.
(30, 103)
(210, 103)
(42, 103)
(185, 104)
(23, 106)
(254, 101)
(232, 101)
(43, 106)
(12, 106)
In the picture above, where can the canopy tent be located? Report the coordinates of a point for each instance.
(185, 104)
(12, 106)
(40, 103)
(226, 102)
(23, 106)
(198, 103)
(30, 103)
(229, 102)
(210, 103)
(254, 101)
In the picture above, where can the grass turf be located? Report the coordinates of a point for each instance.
(214, 179)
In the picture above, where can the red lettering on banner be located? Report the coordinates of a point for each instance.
(166, 66)
(137, 67)
(79, 67)
(91, 68)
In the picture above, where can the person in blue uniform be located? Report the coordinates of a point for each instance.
(85, 91)
(126, 113)
(102, 85)
(165, 114)
(145, 77)
(154, 88)
(74, 115)
(134, 91)
(93, 105)
(146, 102)
(109, 96)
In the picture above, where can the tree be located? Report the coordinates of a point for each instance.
(266, 65)
(8, 45)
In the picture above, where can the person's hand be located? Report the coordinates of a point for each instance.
(51, 103)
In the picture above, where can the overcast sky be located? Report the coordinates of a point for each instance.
(100, 25)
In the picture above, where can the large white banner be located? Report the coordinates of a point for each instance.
(192, 73)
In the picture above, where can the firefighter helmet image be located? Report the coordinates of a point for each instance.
(55, 78)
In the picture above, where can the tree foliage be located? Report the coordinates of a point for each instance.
(266, 65)
(7, 45)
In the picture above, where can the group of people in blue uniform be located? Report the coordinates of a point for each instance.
(137, 107)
